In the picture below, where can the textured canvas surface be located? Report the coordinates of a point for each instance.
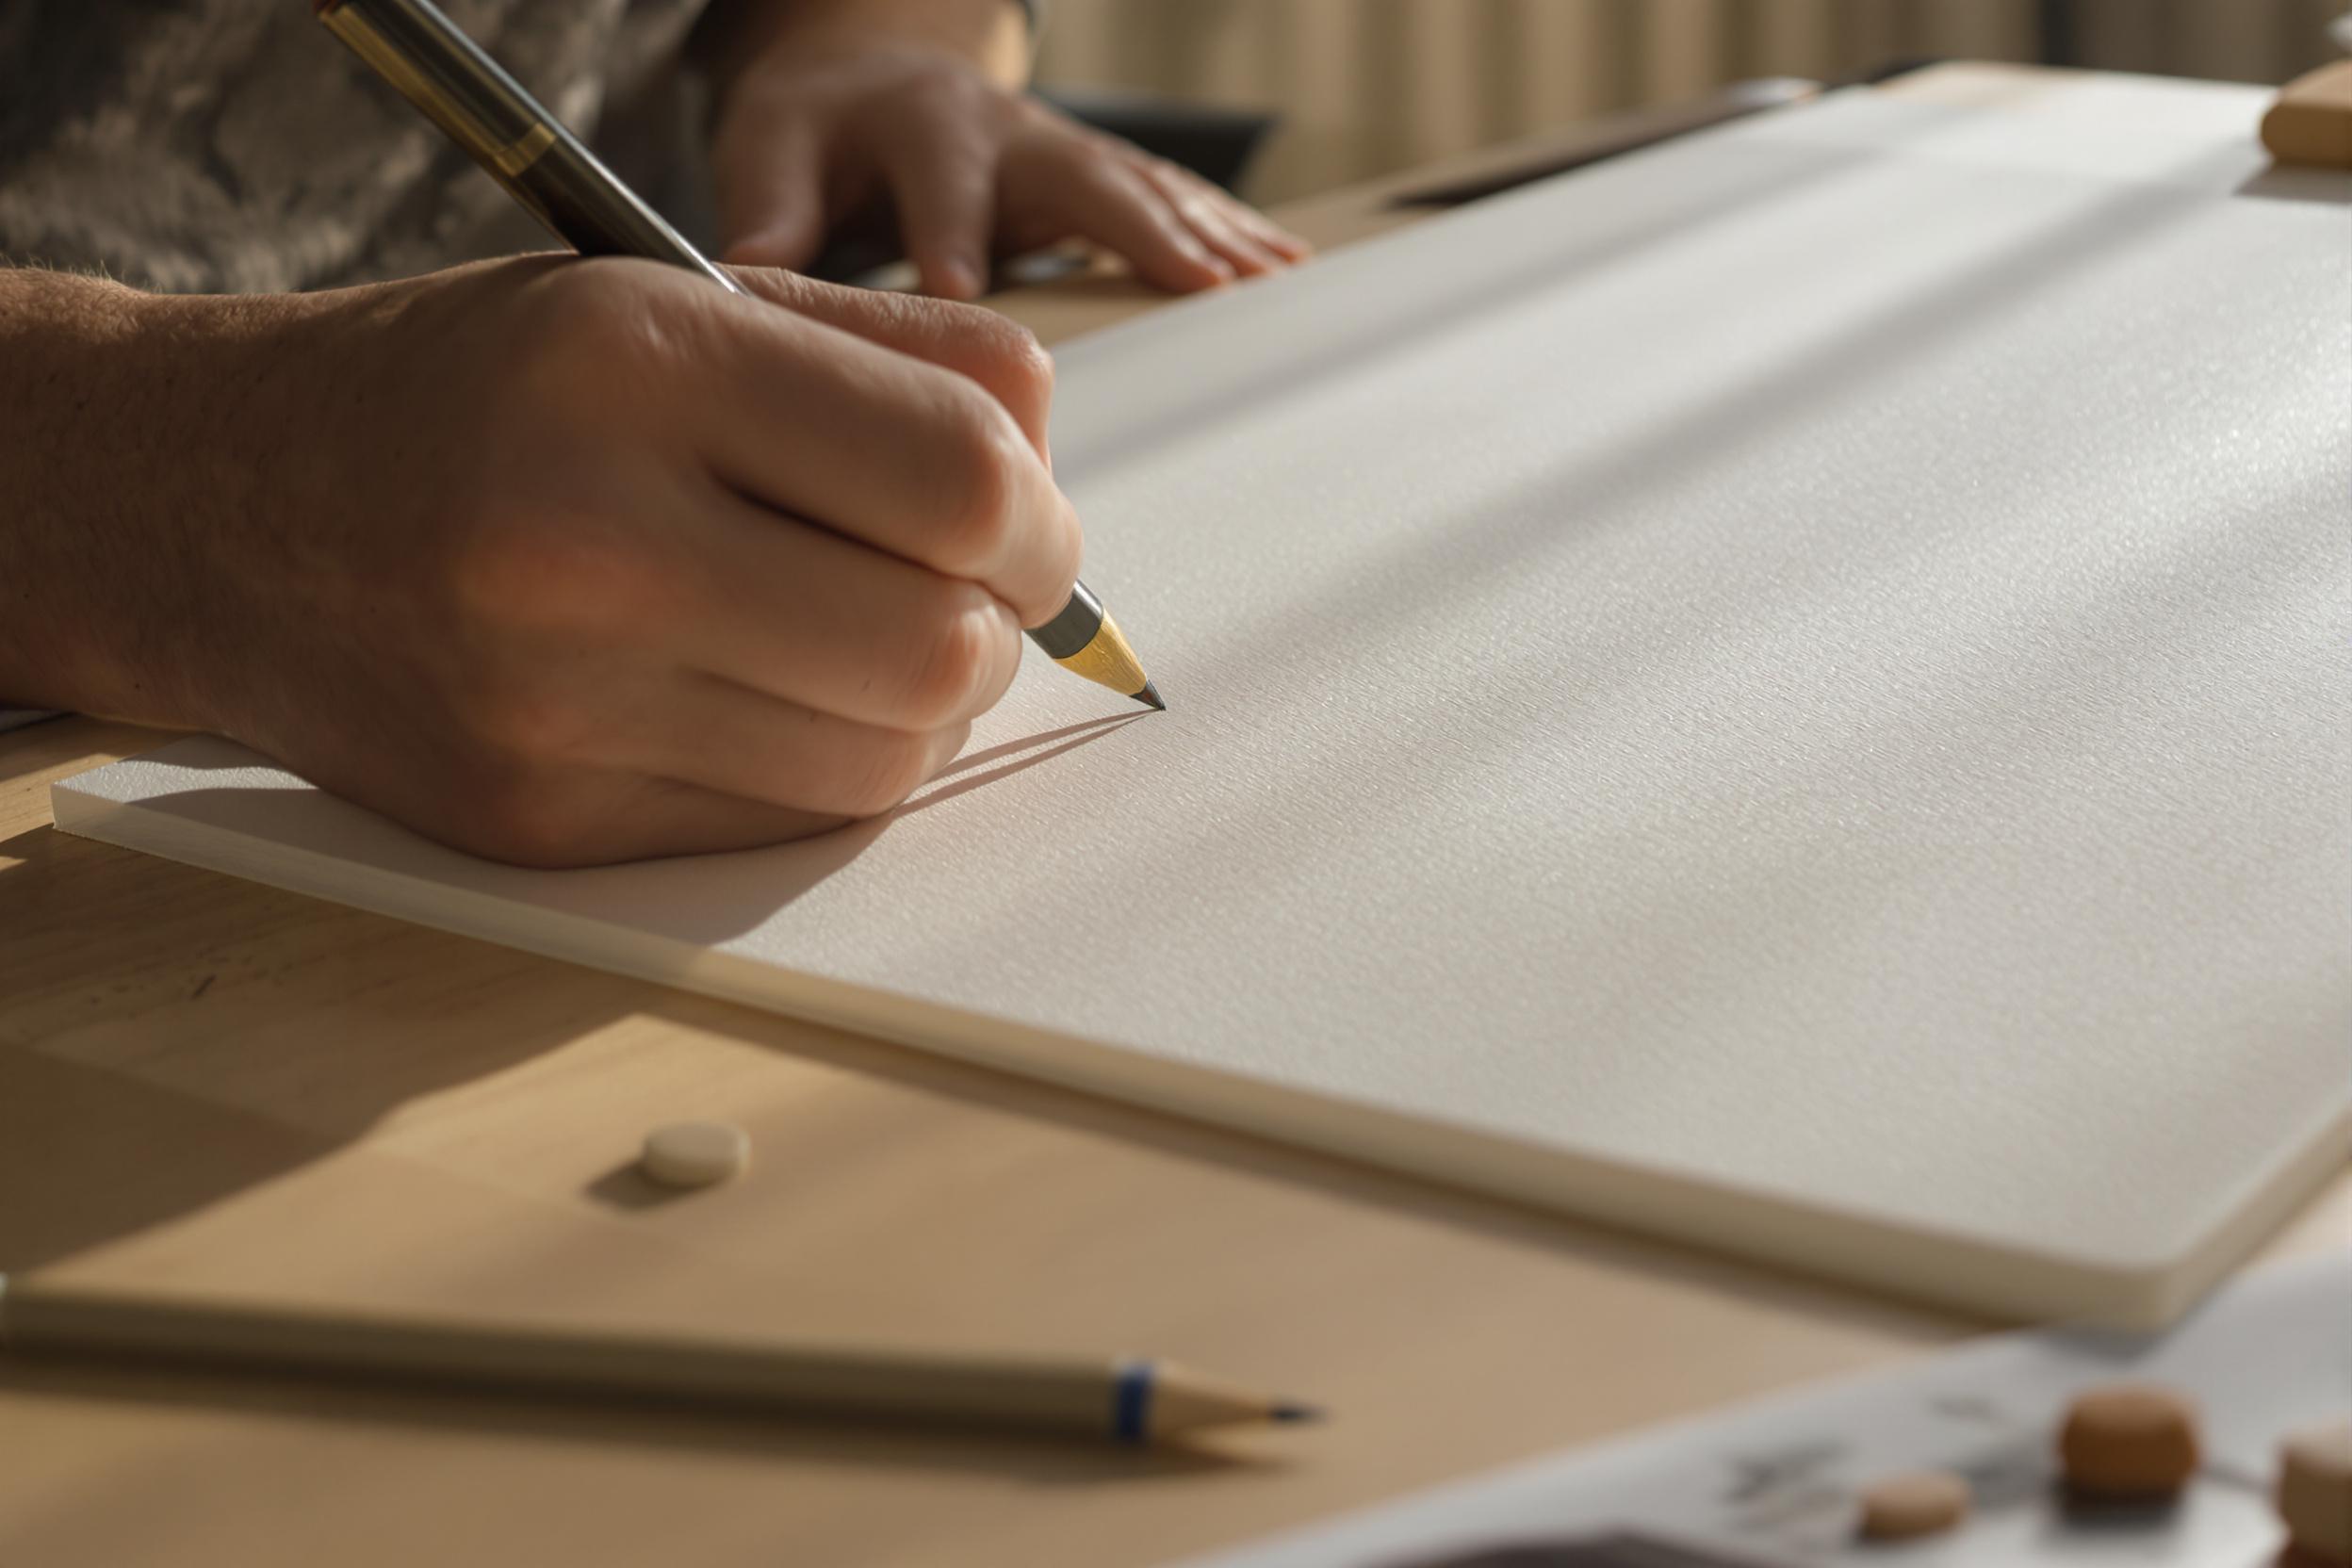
(1790, 689)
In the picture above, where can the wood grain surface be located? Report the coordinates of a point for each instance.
(208, 1086)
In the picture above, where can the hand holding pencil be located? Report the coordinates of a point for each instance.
(569, 561)
(560, 562)
(516, 141)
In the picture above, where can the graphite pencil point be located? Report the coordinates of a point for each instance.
(1150, 697)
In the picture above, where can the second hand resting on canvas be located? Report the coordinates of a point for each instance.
(567, 561)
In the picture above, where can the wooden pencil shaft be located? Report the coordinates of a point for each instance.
(1075, 1396)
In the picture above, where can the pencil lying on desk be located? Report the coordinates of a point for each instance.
(1129, 1401)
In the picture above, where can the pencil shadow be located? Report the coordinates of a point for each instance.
(1024, 754)
(1044, 739)
(598, 1422)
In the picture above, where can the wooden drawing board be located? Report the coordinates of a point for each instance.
(1785, 689)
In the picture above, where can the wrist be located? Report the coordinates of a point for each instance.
(68, 344)
(131, 453)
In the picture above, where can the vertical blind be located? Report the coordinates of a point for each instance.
(1364, 86)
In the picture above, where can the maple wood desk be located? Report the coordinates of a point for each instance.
(208, 1084)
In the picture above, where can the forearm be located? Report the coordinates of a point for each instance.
(994, 35)
(120, 415)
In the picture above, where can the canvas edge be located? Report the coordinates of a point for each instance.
(1937, 1268)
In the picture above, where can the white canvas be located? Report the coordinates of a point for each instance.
(1788, 689)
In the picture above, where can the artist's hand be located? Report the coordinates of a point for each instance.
(558, 561)
(828, 123)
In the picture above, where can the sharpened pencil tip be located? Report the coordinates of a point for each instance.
(1150, 697)
(1295, 1413)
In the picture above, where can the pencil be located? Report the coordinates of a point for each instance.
(1124, 1400)
(429, 60)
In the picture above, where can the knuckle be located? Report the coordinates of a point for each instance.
(955, 652)
(567, 316)
(1024, 366)
(983, 453)
(1200, 207)
(599, 303)
(1002, 356)
(600, 327)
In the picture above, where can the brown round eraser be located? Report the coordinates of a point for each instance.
(1906, 1507)
(2129, 1440)
(2315, 1491)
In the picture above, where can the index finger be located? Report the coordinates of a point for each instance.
(876, 444)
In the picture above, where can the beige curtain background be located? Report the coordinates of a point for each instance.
(1365, 86)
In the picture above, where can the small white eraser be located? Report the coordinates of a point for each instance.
(695, 1153)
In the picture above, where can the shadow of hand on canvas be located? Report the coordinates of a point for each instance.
(706, 898)
(713, 897)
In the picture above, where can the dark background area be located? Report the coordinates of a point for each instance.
(1367, 86)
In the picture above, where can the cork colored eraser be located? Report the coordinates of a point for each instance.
(2311, 121)
(2316, 1493)
(2129, 1441)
